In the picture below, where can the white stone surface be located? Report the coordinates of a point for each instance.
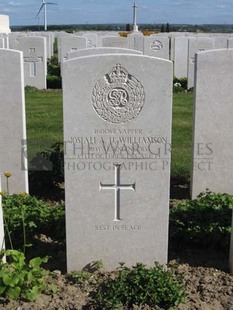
(181, 57)
(6, 39)
(71, 44)
(136, 41)
(230, 43)
(91, 39)
(213, 126)
(157, 47)
(196, 45)
(59, 36)
(2, 43)
(101, 50)
(35, 59)
(13, 156)
(220, 42)
(49, 42)
(117, 110)
(114, 42)
(4, 24)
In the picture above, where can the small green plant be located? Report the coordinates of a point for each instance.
(140, 286)
(31, 89)
(53, 66)
(82, 277)
(55, 155)
(54, 82)
(203, 222)
(54, 73)
(179, 85)
(19, 279)
(25, 216)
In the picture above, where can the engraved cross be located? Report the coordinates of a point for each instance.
(117, 187)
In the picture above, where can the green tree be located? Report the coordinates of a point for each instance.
(167, 27)
(127, 28)
(162, 28)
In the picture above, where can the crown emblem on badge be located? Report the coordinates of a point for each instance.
(118, 97)
(118, 75)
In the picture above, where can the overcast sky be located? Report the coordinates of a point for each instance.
(23, 12)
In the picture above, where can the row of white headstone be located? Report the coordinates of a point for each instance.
(117, 135)
(178, 47)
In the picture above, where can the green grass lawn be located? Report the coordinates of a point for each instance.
(44, 126)
(44, 120)
(182, 134)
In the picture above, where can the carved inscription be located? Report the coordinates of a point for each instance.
(118, 97)
(33, 59)
(117, 187)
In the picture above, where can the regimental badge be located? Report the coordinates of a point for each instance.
(118, 97)
(156, 45)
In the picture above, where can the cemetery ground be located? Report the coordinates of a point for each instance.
(198, 238)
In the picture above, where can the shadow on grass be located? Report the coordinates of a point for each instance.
(42, 186)
(200, 229)
(180, 187)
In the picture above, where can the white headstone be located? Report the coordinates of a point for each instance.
(157, 47)
(100, 51)
(230, 43)
(2, 43)
(213, 125)
(13, 122)
(220, 42)
(136, 41)
(117, 131)
(71, 44)
(35, 59)
(91, 39)
(59, 37)
(6, 39)
(196, 45)
(4, 24)
(181, 57)
(114, 42)
(49, 42)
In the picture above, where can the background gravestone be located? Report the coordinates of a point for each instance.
(114, 42)
(91, 39)
(181, 57)
(157, 47)
(2, 43)
(220, 42)
(230, 43)
(6, 39)
(71, 43)
(49, 42)
(136, 41)
(213, 126)
(13, 122)
(196, 45)
(35, 59)
(101, 50)
(4, 24)
(117, 131)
